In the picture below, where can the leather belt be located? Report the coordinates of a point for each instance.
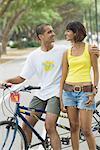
(78, 88)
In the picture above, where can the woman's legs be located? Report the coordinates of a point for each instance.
(86, 120)
(73, 115)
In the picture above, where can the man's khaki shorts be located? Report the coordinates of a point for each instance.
(52, 105)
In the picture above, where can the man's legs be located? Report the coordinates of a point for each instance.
(32, 120)
(50, 125)
(53, 110)
(36, 103)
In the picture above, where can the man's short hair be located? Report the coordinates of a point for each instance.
(40, 29)
(79, 29)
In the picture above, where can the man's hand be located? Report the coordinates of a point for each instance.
(94, 50)
(5, 85)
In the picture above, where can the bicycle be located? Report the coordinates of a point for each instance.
(11, 132)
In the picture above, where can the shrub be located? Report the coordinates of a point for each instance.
(23, 44)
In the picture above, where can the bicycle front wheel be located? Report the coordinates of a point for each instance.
(6, 135)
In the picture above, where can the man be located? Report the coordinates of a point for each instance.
(45, 62)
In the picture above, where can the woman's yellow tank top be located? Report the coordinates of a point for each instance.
(79, 67)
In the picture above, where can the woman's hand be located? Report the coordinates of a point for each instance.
(63, 109)
(90, 100)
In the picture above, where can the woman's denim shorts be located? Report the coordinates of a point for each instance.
(77, 99)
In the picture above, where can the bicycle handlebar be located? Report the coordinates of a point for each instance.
(29, 88)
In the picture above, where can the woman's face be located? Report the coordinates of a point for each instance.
(69, 35)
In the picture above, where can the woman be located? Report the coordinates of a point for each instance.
(77, 87)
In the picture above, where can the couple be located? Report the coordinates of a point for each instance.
(56, 68)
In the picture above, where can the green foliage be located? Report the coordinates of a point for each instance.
(24, 44)
(38, 11)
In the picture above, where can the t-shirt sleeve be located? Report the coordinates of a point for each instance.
(28, 69)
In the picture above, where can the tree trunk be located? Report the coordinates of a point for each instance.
(0, 51)
(4, 6)
(12, 22)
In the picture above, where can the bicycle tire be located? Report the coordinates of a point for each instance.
(19, 139)
(97, 103)
(96, 127)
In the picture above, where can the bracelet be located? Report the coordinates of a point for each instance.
(95, 92)
(95, 87)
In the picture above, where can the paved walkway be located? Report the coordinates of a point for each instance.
(15, 54)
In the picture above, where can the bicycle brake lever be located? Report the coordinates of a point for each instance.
(28, 91)
(6, 85)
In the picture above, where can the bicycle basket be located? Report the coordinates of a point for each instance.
(15, 96)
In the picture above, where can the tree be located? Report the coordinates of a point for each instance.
(4, 6)
(17, 20)
(70, 11)
(29, 18)
(12, 22)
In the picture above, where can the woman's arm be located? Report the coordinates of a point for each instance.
(64, 75)
(94, 62)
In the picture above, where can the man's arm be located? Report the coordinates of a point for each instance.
(15, 80)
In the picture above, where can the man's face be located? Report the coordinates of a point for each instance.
(48, 36)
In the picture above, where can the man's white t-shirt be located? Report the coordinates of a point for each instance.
(47, 67)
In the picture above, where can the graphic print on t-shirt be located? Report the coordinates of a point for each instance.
(48, 65)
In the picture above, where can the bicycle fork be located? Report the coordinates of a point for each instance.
(8, 127)
(13, 126)
(5, 138)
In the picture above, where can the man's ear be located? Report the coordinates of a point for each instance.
(40, 36)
